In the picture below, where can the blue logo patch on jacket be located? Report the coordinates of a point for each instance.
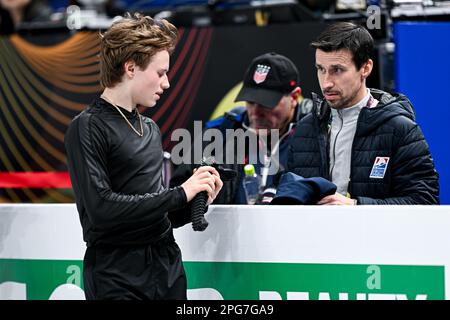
(379, 167)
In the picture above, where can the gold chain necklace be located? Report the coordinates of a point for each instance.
(140, 134)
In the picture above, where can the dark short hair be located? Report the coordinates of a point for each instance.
(346, 35)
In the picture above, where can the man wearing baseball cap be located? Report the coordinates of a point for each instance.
(273, 101)
(272, 94)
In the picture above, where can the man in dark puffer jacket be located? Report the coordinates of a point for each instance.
(365, 141)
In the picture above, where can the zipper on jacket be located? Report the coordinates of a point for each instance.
(350, 183)
(334, 145)
(324, 150)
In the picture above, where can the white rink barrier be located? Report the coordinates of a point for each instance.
(252, 252)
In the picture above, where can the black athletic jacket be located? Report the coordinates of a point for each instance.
(117, 178)
(387, 130)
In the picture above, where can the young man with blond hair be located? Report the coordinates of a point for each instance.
(115, 162)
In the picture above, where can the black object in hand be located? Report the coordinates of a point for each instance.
(199, 222)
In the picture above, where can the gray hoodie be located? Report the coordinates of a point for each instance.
(343, 128)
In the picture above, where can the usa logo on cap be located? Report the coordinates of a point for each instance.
(260, 74)
(379, 167)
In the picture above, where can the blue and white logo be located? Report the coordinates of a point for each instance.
(379, 167)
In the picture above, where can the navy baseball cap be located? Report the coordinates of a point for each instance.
(268, 78)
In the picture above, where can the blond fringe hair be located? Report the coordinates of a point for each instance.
(134, 38)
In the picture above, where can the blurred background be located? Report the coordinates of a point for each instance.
(49, 69)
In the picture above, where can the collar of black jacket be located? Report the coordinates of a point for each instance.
(322, 108)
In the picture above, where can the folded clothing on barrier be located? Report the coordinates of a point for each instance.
(294, 189)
